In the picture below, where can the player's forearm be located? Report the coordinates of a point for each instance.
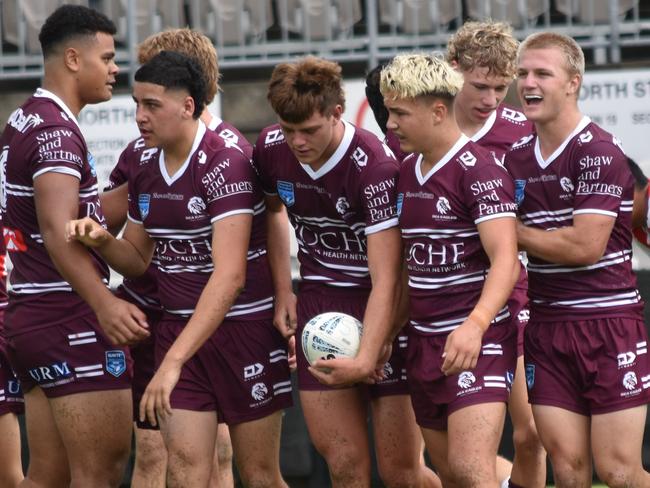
(76, 266)
(123, 257)
(278, 250)
(216, 299)
(560, 246)
(379, 319)
(115, 206)
(497, 288)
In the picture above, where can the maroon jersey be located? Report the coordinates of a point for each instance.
(642, 233)
(178, 211)
(438, 215)
(333, 209)
(3, 282)
(230, 133)
(587, 174)
(392, 142)
(42, 136)
(501, 130)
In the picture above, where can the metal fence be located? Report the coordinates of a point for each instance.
(254, 33)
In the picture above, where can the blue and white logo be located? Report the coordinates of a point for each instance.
(400, 202)
(530, 375)
(144, 200)
(285, 190)
(91, 163)
(115, 362)
(519, 191)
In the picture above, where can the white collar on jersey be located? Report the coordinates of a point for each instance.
(43, 93)
(487, 126)
(214, 122)
(198, 137)
(335, 158)
(584, 122)
(462, 140)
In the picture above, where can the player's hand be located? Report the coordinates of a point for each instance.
(291, 356)
(340, 372)
(462, 348)
(86, 231)
(384, 356)
(123, 322)
(155, 403)
(284, 316)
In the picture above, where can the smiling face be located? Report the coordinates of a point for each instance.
(97, 68)
(315, 139)
(481, 94)
(160, 112)
(545, 86)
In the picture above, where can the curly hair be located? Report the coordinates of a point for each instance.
(298, 90)
(69, 21)
(486, 45)
(176, 71)
(190, 43)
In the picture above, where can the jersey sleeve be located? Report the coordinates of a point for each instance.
(228, 184)
(261, 161)
(379, 196)
(58, 149)
(138, 204)
(601, 177)
(489, 192)
(120, 173)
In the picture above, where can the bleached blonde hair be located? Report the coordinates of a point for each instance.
(417, 75)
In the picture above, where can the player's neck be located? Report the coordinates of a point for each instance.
(553, 133)
(337, 137)
(467, 125)
(177, 152)
(65, 91)
(445, 138)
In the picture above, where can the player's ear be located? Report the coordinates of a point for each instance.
(188, 107)
(439, 111)
(574, 84)
(72, 59)
(337, 112)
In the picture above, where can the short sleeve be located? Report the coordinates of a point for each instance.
(489, 192)
(379, 196)
(59, 149)
(261, 162)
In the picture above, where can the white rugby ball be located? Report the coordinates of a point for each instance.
(331, 335)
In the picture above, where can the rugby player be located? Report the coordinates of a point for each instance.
(62, 322)
(586, 355)
(456, 215)
(151, 456)
(194, 200)
(485, 54)
(337, 183)
(11, 399)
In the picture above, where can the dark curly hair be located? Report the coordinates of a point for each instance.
(375, 98)
(69, 21)
(175, 70)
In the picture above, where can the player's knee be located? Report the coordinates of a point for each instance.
(569, 469)
(616, 473)
(262, 474)
(526, 440)
(468, 471)
(396, 473)
(150, 457)
(224, 453)
(347, 466)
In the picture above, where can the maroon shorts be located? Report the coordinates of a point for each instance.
(11, 395)
(314, 302)
(68, 358)
(143, 355)
(241, 372)
(436, 396)
(588, 366)
(518, 307)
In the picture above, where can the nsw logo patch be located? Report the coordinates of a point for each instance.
(144, 201)
(286, 192)
(115, 363)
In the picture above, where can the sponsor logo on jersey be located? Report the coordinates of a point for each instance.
(388, 370)
(630, 380)
(273, 137)
(520, 186)
(400, 202)
(52, 372)
(14, 240)
(586, 137)
(566, 184)
(259, 391)
(443, 206)
(523, 316)
(513, 115)
(523, 141)
(467, 159)
(21, 122)
(202, 156)
(466, 379)
(115, 363)
(144, 201)
(196, 205)
(342, 205)
(13, 387)
(360, 157)
(530, 375)
(91, 163)
(286, 192)
(253, 370)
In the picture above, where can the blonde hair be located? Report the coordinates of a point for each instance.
(417, 75)
(190, 43)
(573, 55)
(486, 45)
